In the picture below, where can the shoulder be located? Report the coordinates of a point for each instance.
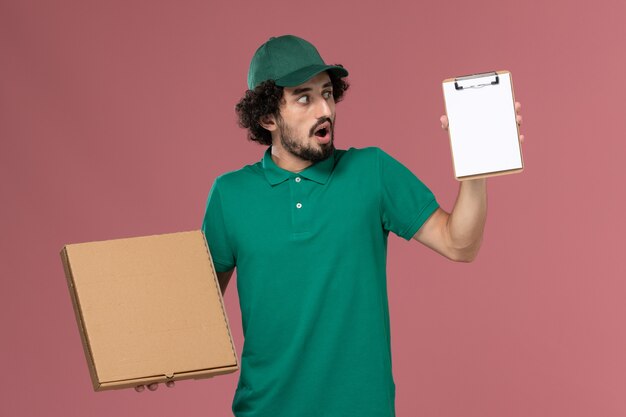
(239, 177)
(369, 154)
(371, 158)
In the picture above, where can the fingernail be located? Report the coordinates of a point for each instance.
(139, 388)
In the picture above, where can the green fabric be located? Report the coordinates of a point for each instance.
(312, 280)
(289, 61)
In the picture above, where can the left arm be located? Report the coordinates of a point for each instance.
(458, 235)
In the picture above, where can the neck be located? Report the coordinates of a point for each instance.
(288, 161)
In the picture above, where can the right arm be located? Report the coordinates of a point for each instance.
(214, 228)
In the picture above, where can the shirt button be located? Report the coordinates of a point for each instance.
(298, 179)
(299, 205)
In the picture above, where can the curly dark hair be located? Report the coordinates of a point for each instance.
(265, 99)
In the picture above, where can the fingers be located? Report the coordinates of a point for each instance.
(444, 122)
(518, 118)
(154, 386)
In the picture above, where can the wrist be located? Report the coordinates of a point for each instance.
(475, 184)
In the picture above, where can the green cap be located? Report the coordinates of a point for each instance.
(289, 61)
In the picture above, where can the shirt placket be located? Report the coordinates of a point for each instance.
(300, 207)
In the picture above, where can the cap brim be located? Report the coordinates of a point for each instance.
(304, 74)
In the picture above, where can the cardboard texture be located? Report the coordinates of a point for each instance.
(149, 309)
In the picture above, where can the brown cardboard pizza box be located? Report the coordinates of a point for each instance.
(149, 309)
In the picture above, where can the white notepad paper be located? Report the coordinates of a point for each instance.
(484, 135)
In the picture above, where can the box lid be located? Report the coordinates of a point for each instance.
(149, 307)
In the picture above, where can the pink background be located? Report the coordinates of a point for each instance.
(116, 116)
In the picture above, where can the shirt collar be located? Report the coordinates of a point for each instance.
(318, 172)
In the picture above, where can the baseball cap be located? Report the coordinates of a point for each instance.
(289, 61)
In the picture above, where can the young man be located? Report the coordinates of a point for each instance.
(307, 227)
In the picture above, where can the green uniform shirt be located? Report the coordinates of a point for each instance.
(310, 250)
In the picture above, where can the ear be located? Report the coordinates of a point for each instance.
(268, 122)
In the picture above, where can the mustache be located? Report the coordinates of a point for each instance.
(320, 122)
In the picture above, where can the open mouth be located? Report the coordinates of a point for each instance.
(322, 130)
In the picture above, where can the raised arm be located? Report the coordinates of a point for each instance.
(459, 234)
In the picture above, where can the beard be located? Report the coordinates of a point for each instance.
(298, 147)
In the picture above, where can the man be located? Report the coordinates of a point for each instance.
(307, 227)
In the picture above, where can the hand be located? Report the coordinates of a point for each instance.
(153, 386)
(518, 118)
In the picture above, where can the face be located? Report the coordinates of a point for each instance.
(305, 127)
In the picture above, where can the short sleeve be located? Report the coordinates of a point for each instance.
(406, 203)
(214, 229)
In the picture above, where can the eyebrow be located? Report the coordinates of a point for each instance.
(298, 91)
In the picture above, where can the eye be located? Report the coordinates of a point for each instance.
(327, 94)
(303, 99)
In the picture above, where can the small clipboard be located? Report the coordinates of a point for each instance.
(484, 135)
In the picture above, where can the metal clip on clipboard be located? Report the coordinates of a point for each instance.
(476, 80)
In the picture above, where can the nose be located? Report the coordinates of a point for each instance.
(324, 109)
